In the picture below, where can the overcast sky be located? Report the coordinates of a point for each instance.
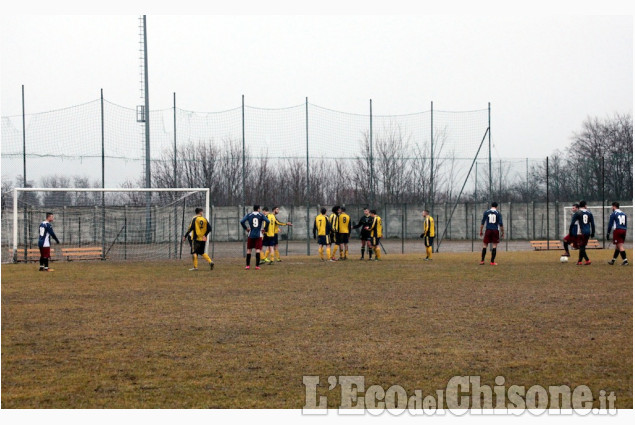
(543, 74)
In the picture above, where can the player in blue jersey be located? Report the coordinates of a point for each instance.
(44, 242)
(584, 220)
(617, 224)
(254, 233)
(571, 238)
(493, 221)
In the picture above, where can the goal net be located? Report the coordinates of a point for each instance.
(600, 216)
(109, 224)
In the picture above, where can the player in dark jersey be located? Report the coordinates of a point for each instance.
(584, 219)
(254, 233)
(365, 222)
(618, 225)
(571, 239)
(493, 221)
(44, 242)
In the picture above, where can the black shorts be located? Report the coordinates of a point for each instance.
(198, 247)
(323, 240)
(428, 241)
(374, 241)
(275, 239)
(342, 238)
(364, 235)
(268, 241)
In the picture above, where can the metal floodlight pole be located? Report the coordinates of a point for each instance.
(147, 128)
(372, 179)
(489, 136)
(244, 185)
(603, 204)
(547, 203)
(175, 180)
(308, 184)
(24, 219)
(103, 183)
(431, 196)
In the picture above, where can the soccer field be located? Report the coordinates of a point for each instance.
(144, 335)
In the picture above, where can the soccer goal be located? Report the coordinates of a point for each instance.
(600, 216)
(115, 223)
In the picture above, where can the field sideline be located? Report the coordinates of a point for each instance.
(144, 335)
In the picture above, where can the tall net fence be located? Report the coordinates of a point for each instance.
(304, 157)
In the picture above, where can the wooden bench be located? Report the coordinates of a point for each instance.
(542, 245)
(87, 253)
(32, 254)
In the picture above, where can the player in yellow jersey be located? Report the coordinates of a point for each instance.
(333, 221)
(428, 233)
(343, 232)
(376, 230)
(270, 239)
(321, 232)
(197, 235)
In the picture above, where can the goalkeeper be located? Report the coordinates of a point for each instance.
(197, 236)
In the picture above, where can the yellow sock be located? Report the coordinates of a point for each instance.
(195, 260)
(378, 253)
(429, 251)
(264, 257)
(334, 250)
(321, 251)
(328, 252)
(209, 260)
(346, 253)
(277, 254)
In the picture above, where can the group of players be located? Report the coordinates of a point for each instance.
(333, 233)
(582, 228)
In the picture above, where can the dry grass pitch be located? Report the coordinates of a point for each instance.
(142, 335)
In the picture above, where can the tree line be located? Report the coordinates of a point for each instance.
(399, 171)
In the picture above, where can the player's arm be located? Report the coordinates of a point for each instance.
(425, 226)
(483, 223)
(315, 228)
(574, 218)
(592, 227)
(190, 229)
(243, 221)
(608, 231)
(52, 233)
(360, 224)
(500, 225)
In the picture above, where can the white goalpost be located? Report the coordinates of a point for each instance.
(118, 223)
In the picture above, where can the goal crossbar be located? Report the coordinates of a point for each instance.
(17, 190)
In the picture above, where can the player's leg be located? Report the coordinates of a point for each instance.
(565, 244)
(41, 260)
(363, 248)
(194, 262)
(257, 258)
(276, 250)
(321, 251)
(493, 262)
(377, 249)
(46, 254)
(483, 252)
(369, 247)
(248, 256)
